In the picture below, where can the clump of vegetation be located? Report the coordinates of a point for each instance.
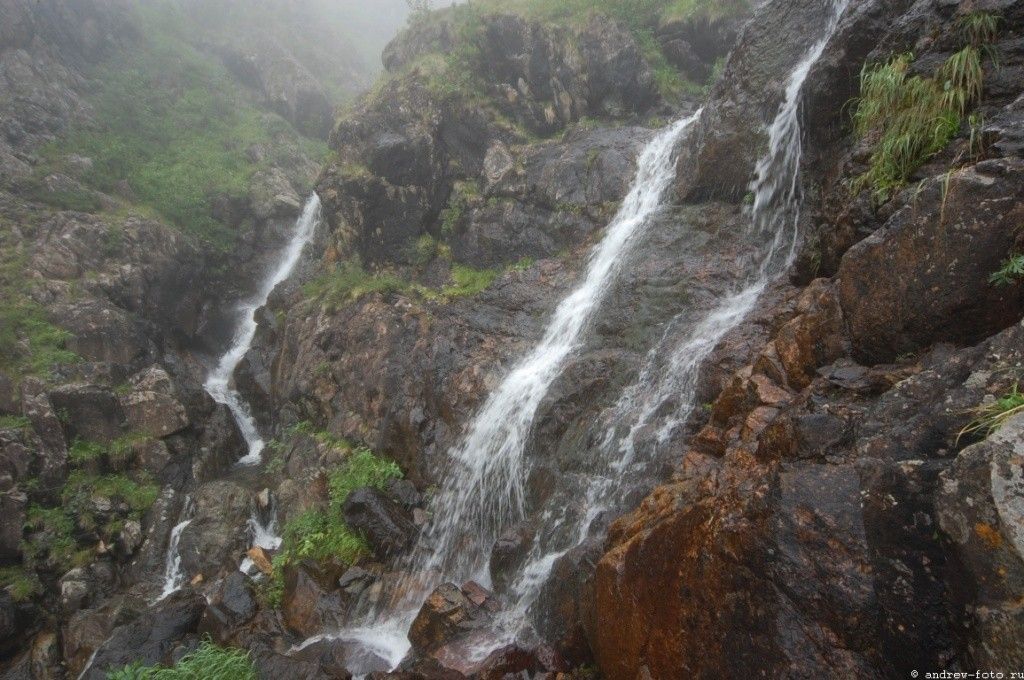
(20, 584)
(988, 418)
(348, 281)
(321, 534)
(424, 249)
(14, 422)
(209, 662)
(467, 281)
(1011, 272)
(458, 204)
(910, 118)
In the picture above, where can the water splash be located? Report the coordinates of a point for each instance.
(669, 375)
(219, 383)
(174, 575)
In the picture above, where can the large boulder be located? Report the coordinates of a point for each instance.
(387, 526)
(980, 506)
(152, 407)
(151, 638)
(924, 276)
(216, 537)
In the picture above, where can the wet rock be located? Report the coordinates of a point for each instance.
(307, 606)
(448, 614)
(8, 396)
(75, 588)
(51, 457)
(404, 491)
(13, 504)
(981, 507)
(336, 659)
(152, 406)
(89, 412)
(509, 553)
(217, 535)
(386, 525)
(942, 247)
(231, 606)
(355, 580)
(151, 637)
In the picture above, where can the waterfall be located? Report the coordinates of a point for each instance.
(484, 489)
(671, 369)
(262, 533)
(174, 575)
(219, 383)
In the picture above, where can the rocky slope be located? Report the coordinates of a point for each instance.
(830, 509)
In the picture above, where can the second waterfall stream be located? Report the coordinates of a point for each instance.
(483, 491)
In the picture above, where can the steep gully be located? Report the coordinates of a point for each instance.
(219, 384)
(484, 491)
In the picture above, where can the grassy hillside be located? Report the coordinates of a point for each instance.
(173, 131)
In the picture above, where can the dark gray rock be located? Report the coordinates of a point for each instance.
(387, 526)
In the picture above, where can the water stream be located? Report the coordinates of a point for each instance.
(220, 381)
(484, 490)
(219, 384)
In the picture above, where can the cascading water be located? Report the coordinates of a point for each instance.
(219, 386)
(670, 372)
(484, 490)
(219, 382)
(174, 575)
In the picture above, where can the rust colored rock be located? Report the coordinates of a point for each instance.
(448, 614)
(307, 607)
(260, 559)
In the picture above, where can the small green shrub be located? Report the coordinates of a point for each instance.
(321, 534)
(1011, 272)
(209, 662)
(51, 543)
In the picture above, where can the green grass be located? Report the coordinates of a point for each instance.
(909, 118)
(348, 281)
(979, 28)
(174, 127)
(467, 281)
(20, 584)
(209, 662)
(14, 422)
(321, 534)
(988, 418)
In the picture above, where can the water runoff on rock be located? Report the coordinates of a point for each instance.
(484, 490)
(174, 575)
(219, 383)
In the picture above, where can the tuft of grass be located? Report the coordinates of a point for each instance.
(988, 418)
(962, 80)
(348, 281)
(912, 118)
(14, 422)
(22, 585)
(978, 29)
(468, 281)
(1011, 272)
(209, 662)
(362, 469)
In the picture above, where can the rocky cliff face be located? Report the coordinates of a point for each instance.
(836, 505)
